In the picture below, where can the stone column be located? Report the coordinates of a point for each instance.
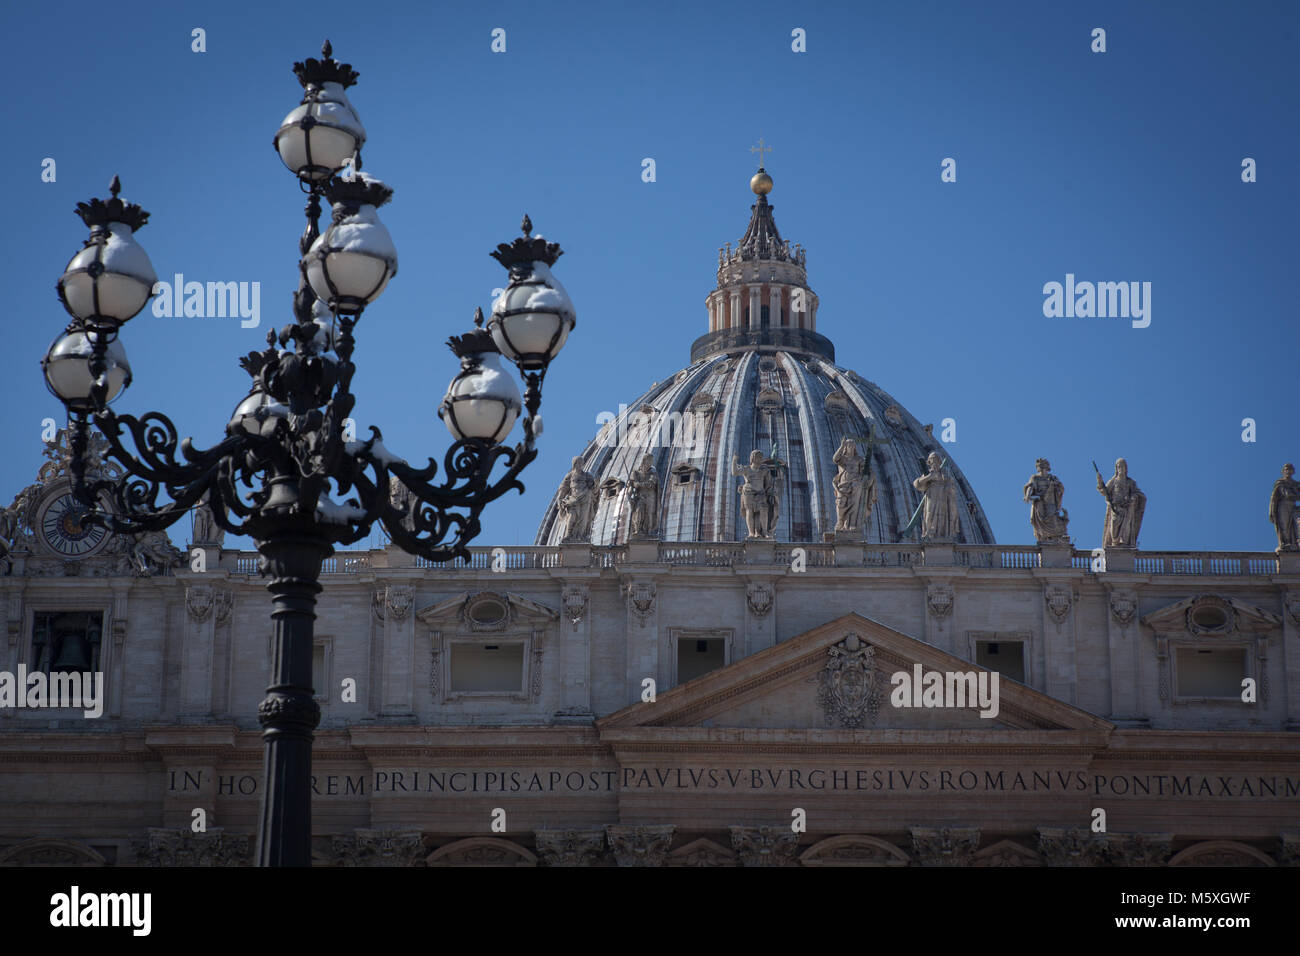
(1290, 643)
(398, 680)
(642, 631)
(114, 644)
(734, 322)
(196, 651)
(760, 622)
(1124, 639)
(755, 310)
(774, 293)
(1060, 670)
(575, 644)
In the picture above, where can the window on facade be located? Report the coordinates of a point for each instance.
(1217, 672)
(1005, 657)
(66, 641)
(487, 668)
(696, 657)
(318, 671)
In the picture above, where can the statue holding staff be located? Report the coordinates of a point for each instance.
(1125, 505)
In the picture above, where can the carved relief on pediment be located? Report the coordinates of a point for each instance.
(850, 687)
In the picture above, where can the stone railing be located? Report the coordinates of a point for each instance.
(722, 554)
(1205, 562)
(999, 556)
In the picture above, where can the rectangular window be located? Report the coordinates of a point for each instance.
(66, 641)
(487, 668)
(1005, 657)
(696, 657)
(318, 672)
(1206, 672)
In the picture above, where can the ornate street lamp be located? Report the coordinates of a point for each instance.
(276, 474)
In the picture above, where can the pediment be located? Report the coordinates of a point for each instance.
(816, 682)
(1211, 614)
(487, 611)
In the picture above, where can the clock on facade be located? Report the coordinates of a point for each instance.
(58, 520)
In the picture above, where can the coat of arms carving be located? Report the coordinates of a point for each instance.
(198, 601)
(849, 689)
(1058, 602)
(641, 600)
(759, 597)
(399, 600)
(575, 603)
(1123, 606)
(939, 600)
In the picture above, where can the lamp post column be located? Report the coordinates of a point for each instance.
(289, 713)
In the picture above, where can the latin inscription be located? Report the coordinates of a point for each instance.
(764, 779)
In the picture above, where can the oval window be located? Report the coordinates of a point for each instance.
(1210, 618)
(487, 612)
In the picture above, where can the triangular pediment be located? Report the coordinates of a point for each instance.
(1211, 614)
(487, 611)
(819, 681)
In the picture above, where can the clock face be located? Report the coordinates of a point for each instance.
(61, 527)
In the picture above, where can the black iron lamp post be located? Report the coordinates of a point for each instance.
(284, 460)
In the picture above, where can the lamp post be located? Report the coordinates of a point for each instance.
(283, 460)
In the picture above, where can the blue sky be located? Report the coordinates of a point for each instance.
(1115, 166)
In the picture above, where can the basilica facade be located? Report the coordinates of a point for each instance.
(765, 622)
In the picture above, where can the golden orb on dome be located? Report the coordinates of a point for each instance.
(761, 184)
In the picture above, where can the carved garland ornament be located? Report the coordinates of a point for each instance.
(765, 846)
(944, 846)
(640, 845)
(380, 848)
(573, 847)
(185, 848)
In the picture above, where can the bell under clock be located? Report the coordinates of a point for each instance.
(58, 520)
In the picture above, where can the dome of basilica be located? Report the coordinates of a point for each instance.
(762, 379)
